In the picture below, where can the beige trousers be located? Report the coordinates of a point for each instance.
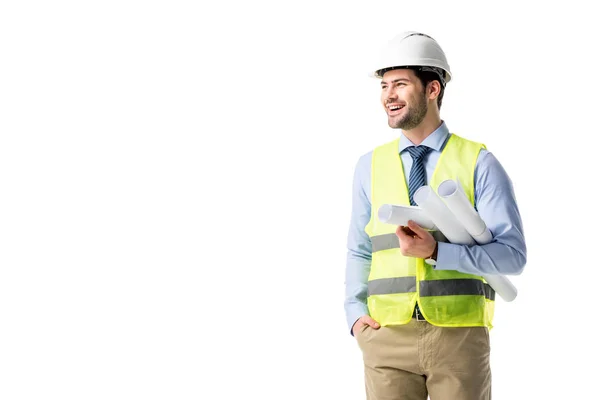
(412, 361)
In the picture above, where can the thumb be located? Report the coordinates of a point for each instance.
(417, 229)
(371, 322)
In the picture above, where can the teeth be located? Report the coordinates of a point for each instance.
(393, 108)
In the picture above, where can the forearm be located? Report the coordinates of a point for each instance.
(506, 254)
(489, 259)
(357, 275)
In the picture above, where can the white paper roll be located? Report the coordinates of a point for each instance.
(454, 230)
(502, 285)
(458, 203)
(441, 216)
(400, 215)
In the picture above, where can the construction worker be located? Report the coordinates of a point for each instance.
(423, 327)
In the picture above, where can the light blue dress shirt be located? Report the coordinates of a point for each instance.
(494, 200)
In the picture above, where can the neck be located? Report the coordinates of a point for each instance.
(424, 129)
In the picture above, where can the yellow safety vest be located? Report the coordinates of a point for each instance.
(396, 283)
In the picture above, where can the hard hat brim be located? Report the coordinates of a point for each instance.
(376, 74)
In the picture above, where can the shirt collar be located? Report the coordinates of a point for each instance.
(435, 140)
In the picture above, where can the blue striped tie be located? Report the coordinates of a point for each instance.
(417, 177)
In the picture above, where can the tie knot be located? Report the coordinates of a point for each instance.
(418, 152)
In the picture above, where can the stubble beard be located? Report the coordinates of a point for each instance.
(413, 116)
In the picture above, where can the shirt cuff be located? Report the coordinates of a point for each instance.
(448, 256)
(355, 311)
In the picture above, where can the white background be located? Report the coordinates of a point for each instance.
(175, 185)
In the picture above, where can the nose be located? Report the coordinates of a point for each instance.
(390, 95)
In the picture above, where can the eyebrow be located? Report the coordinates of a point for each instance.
(395, 80)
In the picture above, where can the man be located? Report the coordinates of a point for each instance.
(423, 329)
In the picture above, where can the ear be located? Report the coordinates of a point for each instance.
(433, 90)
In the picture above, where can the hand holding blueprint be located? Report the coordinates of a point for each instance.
(452, 214)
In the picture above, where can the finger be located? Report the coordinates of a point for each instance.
(371, 322)
(420, 232)
(408, 231)
(357, 327)
(402, 234)
(360, 322)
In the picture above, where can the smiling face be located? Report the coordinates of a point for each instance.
(403, 98)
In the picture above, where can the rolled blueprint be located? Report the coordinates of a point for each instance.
(455, 198)
(441, 216)
(456, 232)
(400, 215)
(458, 203)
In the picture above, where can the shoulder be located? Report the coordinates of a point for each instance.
(365, 159)
(467, 142)
(363, 164)
(489, 170)
(391, 144)
(484, 155)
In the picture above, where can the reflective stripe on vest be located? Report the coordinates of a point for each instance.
(440, 287)
(384, 242)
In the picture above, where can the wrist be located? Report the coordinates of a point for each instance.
(432, 259)
(433, 255)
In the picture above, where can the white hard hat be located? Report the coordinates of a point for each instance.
(413, 49)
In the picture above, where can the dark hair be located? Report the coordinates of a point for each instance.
(429, 76)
